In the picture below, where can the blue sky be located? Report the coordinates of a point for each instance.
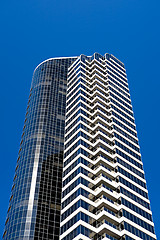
(34, 30)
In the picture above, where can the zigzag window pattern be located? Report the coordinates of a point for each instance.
(94, 191)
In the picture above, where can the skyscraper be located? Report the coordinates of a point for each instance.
(104, 194)
(35, 202)
(104, 189)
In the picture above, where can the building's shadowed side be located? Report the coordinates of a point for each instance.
(34, 207)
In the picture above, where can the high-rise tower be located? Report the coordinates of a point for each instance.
(35, 202)
(104, 194)
(104, 189)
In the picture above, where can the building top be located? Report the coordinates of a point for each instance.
(53, 59)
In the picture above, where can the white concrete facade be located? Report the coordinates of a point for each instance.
(104, 189)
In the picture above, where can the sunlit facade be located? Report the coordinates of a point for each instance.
(79, 122)
(104, 189)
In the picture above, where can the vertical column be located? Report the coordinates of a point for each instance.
(135, 206)
(90, 204)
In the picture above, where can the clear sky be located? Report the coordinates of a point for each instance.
(34, 30)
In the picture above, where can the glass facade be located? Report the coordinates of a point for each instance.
(35, 202)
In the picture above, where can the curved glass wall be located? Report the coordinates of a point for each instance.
(35, 202)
